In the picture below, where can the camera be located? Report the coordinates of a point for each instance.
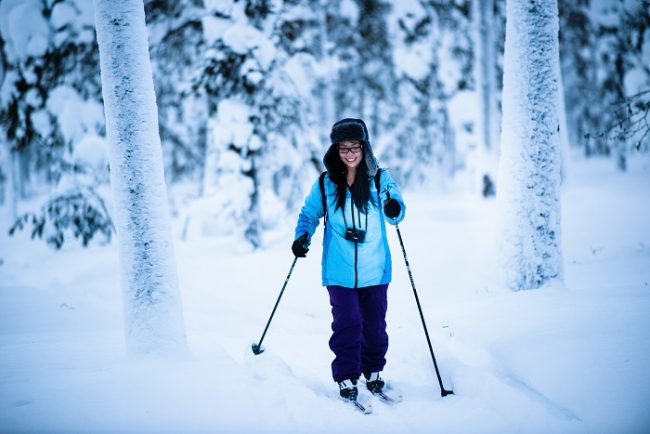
(355, 235)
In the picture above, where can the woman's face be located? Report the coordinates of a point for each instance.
(351, 153)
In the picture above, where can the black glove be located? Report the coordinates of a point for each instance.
(392, 208)
(299, 246)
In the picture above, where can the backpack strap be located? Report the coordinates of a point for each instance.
(321, 183)
(378, 186)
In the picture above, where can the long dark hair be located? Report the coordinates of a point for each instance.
(360, 188)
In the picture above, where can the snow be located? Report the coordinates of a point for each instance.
(301, 68)
(349, 9)
(227, 194)
(216, 24)
(242, 38)
(409, 60)
(231, 126)
(92, 151)
(635, 81)
(41, 122)
(86, 10)
(413, 59)
(215, 27)
(63, 14)
(570, 357)
(33, 98)
(8, 88)
(22, 40)
(645, 56)
(229, 24)
(566, 358)
(76, 117)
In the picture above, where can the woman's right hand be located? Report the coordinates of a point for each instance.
(299, 246)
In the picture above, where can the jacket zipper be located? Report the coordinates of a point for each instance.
(356, 246)
(356, 275)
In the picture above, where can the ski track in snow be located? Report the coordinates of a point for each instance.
(552, 407)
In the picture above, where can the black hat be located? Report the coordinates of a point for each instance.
(349, 129)
(354, 129)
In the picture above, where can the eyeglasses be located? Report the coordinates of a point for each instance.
(353, 149)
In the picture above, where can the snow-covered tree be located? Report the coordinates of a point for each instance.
(579, 68)
(258, 135)
(154, 320)
(50, 106)
(623, 48)
(606, 72)
(325, 58)
(52, 66)
(366, 86)
(177, 47)
(528, 190)
(434, 63)
(486, 72)
(307, 34)
(8, 193)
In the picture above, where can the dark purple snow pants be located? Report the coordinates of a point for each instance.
(359, 340)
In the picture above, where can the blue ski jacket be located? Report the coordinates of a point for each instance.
(346, 263)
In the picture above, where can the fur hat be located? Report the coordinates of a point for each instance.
(354, 129)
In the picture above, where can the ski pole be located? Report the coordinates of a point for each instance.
(443, 392)
(257, 348)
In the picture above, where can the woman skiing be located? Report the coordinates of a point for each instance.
(355, 197)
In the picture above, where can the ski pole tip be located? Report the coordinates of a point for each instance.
(444, 392)
(257, 349)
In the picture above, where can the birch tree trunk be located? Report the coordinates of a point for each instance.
(10, 194)
(529, 169)
(327, 103)
(153, 311)
(7, 162)
(565, 144)
(487, 76)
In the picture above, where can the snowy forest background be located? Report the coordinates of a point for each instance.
(247, 92)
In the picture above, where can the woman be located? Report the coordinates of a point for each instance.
(356, 264)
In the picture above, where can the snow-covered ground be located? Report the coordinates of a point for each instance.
(572, 358)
